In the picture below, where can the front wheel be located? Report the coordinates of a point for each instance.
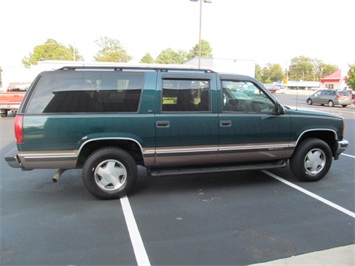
(312, 160)
(109, 173)
(309, 101)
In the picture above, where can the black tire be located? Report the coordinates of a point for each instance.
(309, 101)
(109, 173)
(4, 113)
(331, 104)
(344, 105)
(311, 160)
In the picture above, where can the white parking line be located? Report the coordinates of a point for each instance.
(348, 155)
(331, 204)
(137, 243)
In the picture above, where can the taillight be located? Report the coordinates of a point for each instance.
(19, 129)
(339, 96)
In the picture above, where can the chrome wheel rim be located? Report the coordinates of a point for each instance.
(314, 161)
(110, 175)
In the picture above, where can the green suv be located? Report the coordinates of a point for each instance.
(108, 120)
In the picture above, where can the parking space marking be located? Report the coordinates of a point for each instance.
(348, 155)
(331, 204)
(136, 239)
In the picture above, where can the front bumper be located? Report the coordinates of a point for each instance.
(342, 145)
(12, 159)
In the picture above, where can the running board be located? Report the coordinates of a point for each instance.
(216, 169)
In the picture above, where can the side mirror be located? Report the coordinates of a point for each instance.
(279, 109)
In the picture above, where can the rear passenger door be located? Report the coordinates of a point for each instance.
(250, 128)
(186, 119)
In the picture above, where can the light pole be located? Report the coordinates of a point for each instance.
(200, 30)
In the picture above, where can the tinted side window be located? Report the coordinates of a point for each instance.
(87, 91)
(180, 95)
(344, 93)
(245, 97)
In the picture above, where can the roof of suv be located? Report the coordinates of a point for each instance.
(122, 68)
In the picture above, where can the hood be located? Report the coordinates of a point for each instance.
(304, 111)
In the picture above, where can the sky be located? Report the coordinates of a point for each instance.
(267, 31)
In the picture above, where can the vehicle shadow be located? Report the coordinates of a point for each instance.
(186, 183)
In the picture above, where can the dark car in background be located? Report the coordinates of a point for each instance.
(330, 98)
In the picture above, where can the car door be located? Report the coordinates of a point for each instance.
(324, 97)
(186, 119)
(317, 98)
(250, 128)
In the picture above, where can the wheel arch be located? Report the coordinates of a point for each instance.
(131, 146)
(328, 136)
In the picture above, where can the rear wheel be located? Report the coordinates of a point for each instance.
(309, 101)
(344, 105)
(109, 173)
(312, 160)
(331, 104)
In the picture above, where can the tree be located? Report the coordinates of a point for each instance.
(206, 50)
(258, 73)
(147, 58)
(75, 52)
(169, 56)
(301, 68)
(350, 79)
(307, 69)
(325, 70)
(50, 50)
(272, 73)
(111, 51)
(322, 70)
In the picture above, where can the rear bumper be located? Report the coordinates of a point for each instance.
(12, 159)
(342, 145)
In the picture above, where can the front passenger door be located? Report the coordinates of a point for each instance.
(250, 128)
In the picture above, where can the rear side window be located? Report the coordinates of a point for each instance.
(185, 95)
(87, 91)
(344, 93)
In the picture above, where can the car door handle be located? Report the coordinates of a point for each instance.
(225, 123)
(163, 124)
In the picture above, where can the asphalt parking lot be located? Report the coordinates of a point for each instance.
(237, 218)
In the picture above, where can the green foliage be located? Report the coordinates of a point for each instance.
(308, 69)
(301, 68)
(269, 74)
(206, 50)
(75, 52)
(50, 50)
(258, 73)
(325, 70)
(147, 58)
(350, 79)
(111, 51)
(272, 73)
(169, 56)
